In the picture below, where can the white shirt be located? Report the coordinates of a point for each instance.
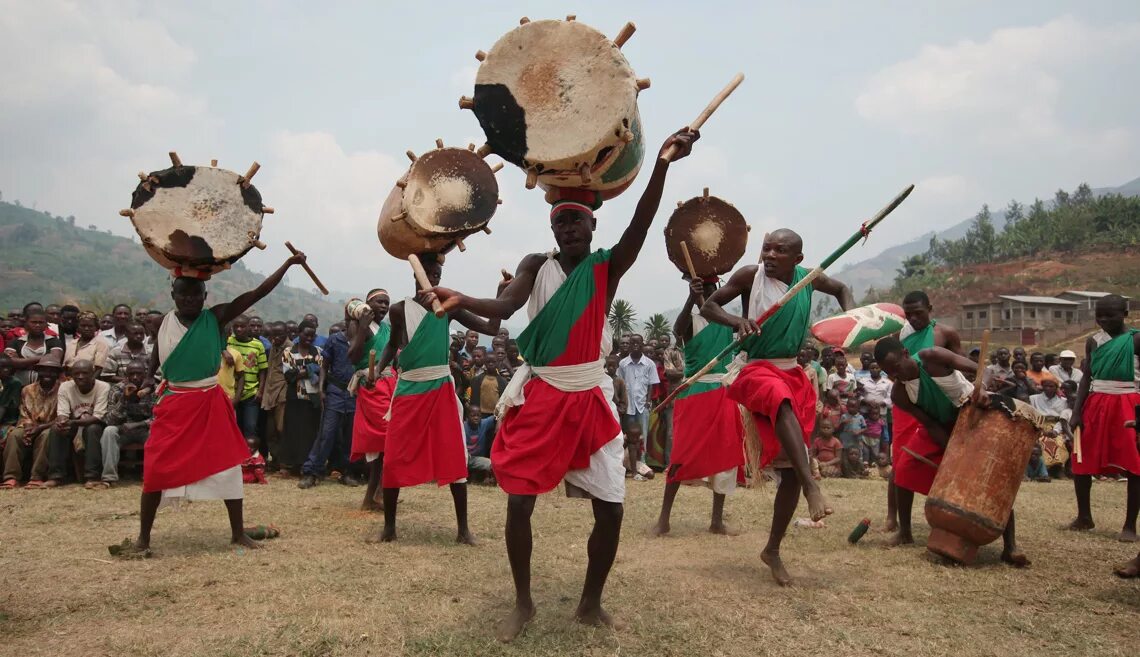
(638, 376)
(112, 341)
(1064, 376)
(878, 392)
(71, 403)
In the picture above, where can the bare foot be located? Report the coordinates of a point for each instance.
(660, 529)
(246, 542)
(372, 506)
(1127, 536)
(891, 525)
(1129, 569)
(387, 534)
(595, 615)
(817, 502)
(722, 529)
(900, 538)
(513, 625)
(1080, 524)
(779, 573)
(1015, 557)
(466, 538)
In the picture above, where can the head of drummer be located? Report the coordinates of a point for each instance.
(783, 249)
(433, 266)
(1110, 312)
(378, 300)
(895, 360)
(572, 220)
(189, 295)
(916, 306)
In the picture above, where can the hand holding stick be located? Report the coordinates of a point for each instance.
(424, 283)
(707, 112)
(320, 286)
(371, 364)
(692, 269)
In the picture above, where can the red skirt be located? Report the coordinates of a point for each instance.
(1107, 448)
(369, 428)
(194, 435)
(910, 473)
(552, 433)
(762, 387)
(707, 436)
(425, 440)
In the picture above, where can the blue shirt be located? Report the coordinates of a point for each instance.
(339, 373)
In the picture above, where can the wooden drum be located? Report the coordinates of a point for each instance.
(714, 231)
(446, 195)
(559, 99)
(197, 219)
(978, 478)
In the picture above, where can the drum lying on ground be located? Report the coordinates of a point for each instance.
(559, 99)
(714, 231)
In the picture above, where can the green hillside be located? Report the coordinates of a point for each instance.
(50, 259)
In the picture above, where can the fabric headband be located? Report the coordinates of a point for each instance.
(376, 294)
(559, 206)
(200, 274)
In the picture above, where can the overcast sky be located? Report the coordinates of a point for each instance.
(844, 104)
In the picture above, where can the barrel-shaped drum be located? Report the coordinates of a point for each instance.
(978, 478)
(446, 195)
(714, 232)
(559, 99)
(196, 218)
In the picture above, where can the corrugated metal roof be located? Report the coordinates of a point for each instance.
(1052, 301)
(1090, 294)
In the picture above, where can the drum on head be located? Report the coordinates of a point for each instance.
(559, 99)
(197, 218)
(714, 231)
(446, 195)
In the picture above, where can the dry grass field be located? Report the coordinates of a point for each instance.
(319, 589)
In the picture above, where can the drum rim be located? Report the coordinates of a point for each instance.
(672, 243)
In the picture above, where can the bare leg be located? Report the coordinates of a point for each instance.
(237, 526)
(717, 525)
(1082, 486)
(662, 526)
(892, 523)
(388, 531)
(519, 545)
(602, 549)
(904, 500)
(148, 507)
(1132, 507)
(790, 434)
(459, 497)
(375, 471)
(1129, 569)
(787, 499)
(1010, 553)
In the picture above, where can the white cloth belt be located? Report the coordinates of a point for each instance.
(780, 363)
(1113, 387)
(420, 375)
(711, 378)
(567, 378)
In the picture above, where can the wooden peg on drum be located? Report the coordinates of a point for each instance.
(265, 209)
(708, 111)
(175, 160)
(626, 32)
(424, 283)
(245, 180)
(308, 270)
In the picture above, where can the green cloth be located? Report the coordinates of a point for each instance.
(378, 341)
(1113, 360)
(704, 346)
(198, 355)
(255, 361)
(547, 336)
(919, 340)
(428, 347)
(932, 399)
(782, 335)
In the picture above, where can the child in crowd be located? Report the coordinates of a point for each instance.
(853, 466)
(873, 435)
(253, 468)
(827, 451)
(852, 426)
(883, 466)
(634, 443)
(1036, 469)
(478, 467)
(832, 410)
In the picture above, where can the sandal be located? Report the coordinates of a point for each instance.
(34, 484)
(9, 484)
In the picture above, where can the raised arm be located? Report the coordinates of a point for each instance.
(683, 327)
(228, 312)
(476, 323)
(737, 287)
(361, 336)
(509, 300)
(395, 337)
(949, 360)
(625, 251)
(835, 288)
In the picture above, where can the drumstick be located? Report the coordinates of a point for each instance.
(692, 269)
(425, 284)
(707, 112)
(371, 364)
(920, 458)
(320, 286)
(1077, 445)
(980, 376)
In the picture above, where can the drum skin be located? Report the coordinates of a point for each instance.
(977, 481)
(715, 232)
(447, 194)
(196, 217)
(554, 96)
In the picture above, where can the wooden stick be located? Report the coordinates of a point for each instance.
(708, 111)
(692, 269)
(920, 458)
(253, 168)
(979, 376)
(424, 283)
(626, 32)
(1077, 445)
(174, 159)
(308, 270)
(371, 364)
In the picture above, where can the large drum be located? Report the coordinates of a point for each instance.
(714, 231)
(197, 220)
(978, 478)
(559, 99)
(446, 195)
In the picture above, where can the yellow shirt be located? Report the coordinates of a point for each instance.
(226, 372)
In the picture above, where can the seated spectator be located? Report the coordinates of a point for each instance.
(106, 323)
(478, 464)
(883, 466)
(81, 410)
(1055, 452)
(29, 438)
(25, 352)
(152, 324)
(1020, 387)
(130, 412)
(852, 426)
(1064, 370)
(122, 356)
(853, 465)
(20, 320)
(1037, 372)
(1036, 469)
(827, 450)
(1000, 370)
(253, 468)
(90, 346)
(873, 434)
(68, 325)
(10, 388)
(121, 318)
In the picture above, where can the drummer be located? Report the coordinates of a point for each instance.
(373, 397)
(425, 440)
(707, 431)
(933, 389)
(565, 427)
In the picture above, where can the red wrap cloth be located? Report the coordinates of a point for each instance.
(707, 436)
(910, 473)
(369, 428)
(425, 440)
(761, 387)
(1107, 447)
(194, 436)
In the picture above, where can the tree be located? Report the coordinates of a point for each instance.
(657, 326)
(622, 317)
(1083, 195)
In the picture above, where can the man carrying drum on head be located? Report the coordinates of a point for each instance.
(773, 387)
(562, 424)
(425, 440)
(373, 397)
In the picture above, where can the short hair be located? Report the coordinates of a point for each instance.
(132, 324)
(1037, 353)
(184, 282)
(69, 308)
(154, 312)
(887, 346)
(918, 296)
(306, 324)
(121, 305)
(241, 318)
(24, 310)
(138, 363)
(480, 348)
(637, 335)
(1109, 301)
